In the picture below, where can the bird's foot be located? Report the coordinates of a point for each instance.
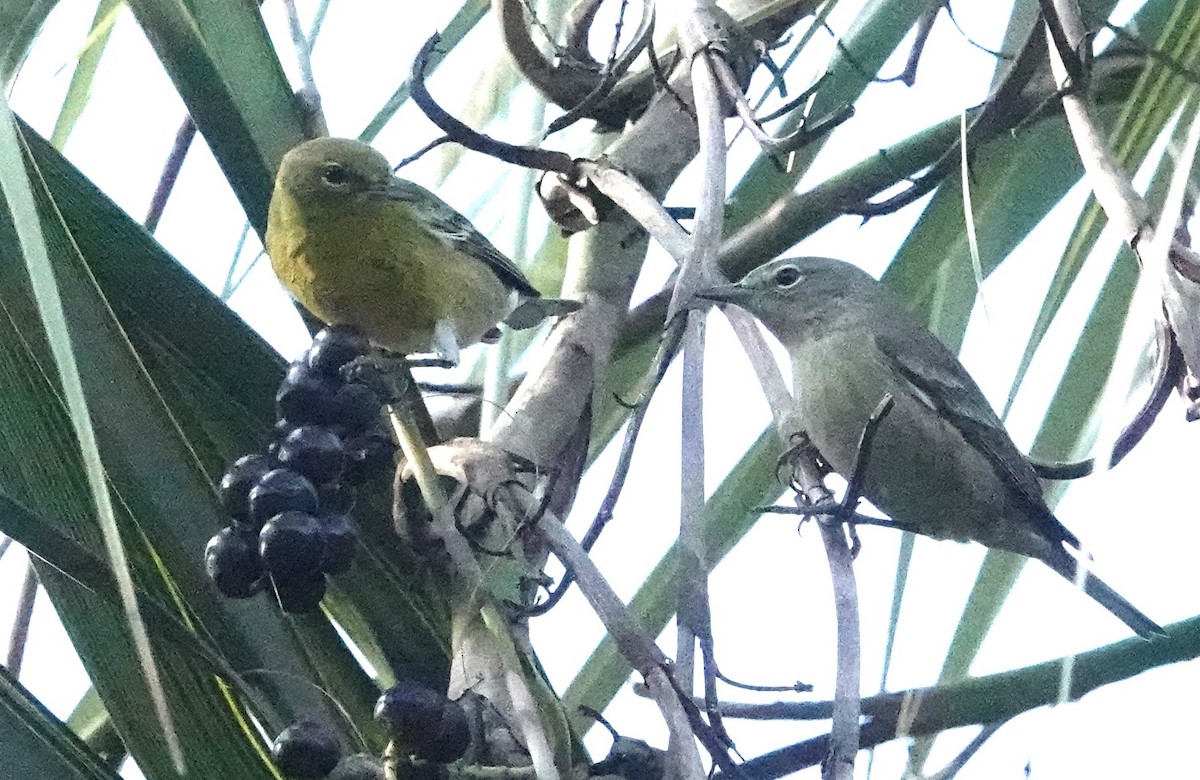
(385, 373)
(433, 360)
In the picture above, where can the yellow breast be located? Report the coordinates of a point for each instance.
(373, 266)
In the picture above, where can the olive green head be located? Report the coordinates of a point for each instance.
(331, 169)
(790, 291)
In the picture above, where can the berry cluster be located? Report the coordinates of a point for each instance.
(423, 723)
(290, 506)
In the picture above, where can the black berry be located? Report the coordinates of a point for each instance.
(305, 395)
(306, 750)
(281, 490)
(355, 407)
(291, 545)
(423, 722)
(244, 474)
(233, 564)
(315, 452)
(334, 347)
(452, 739)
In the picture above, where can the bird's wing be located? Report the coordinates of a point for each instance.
(457, 231)
(939, 379)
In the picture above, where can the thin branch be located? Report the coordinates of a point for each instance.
(794, 103)
(830, 506)
(794, 140)
(318, 22)
(1110, 183)
(847, 708)
(1158, 55)
(908, 76)
(564, 83)
(19, 636)
(170, 173)
(681, 747)
(951, 770)
(918, 188)
(953, 20)
(412, 158)
(797, 687)
(694, 613)
(637, 648)
(578, 22)
(667, 349)
(302, 44)
(615, 67)
(1170, 370)
(525, 156)
(843, 748)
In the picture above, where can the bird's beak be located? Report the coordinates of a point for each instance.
(725, 293)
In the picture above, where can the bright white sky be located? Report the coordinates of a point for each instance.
(771, 597)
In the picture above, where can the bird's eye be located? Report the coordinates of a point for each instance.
(334, 174)
(788, 276)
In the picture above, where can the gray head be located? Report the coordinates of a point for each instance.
(332, 169)
(791, 293)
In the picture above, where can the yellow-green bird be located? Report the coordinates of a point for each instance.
(357, 245)
(941, 462)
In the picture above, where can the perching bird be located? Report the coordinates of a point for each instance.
(941, 462)
(357, 245)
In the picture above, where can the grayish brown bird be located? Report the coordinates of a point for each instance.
(941, 462)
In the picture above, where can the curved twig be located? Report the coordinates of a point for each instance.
(1169, 371)
(667, 350)
(525, 156)
(616, 67)
(794, 140)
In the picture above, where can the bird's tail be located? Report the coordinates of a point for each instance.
(1105, 596)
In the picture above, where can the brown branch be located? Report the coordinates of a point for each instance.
(615, 67)
(525, 156)
(565, 83)
(578, 23)
(637, 202)
(1169, 371)
(170, 173)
